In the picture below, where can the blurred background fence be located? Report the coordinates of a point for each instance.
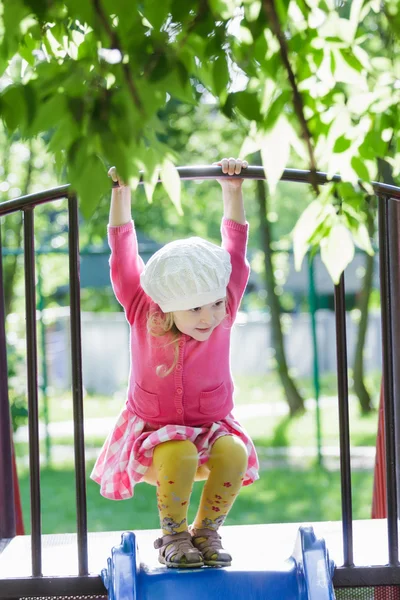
(105, 337)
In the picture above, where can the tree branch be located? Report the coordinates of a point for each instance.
(115, 42)
(272, 16)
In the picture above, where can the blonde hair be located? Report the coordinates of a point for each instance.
(158, 325)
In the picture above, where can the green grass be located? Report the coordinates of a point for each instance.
(302, 430)
(280, 496)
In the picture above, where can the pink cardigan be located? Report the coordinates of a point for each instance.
(200, 388)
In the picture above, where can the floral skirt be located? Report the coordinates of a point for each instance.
(128, 451)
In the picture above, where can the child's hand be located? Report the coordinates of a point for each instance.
(112, 172)
(231, 166)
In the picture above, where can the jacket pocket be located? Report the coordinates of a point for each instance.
(211, 402)
(147, 403)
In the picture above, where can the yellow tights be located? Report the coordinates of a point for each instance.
(175, 465)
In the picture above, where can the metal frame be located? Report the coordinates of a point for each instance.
(85, 584)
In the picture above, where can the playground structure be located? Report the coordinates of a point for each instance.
(365, 553)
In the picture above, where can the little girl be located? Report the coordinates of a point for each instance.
(177, 425)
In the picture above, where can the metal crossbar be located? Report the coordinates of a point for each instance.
(85, 584)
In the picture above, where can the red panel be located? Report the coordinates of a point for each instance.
(19, 522)
(379, 493)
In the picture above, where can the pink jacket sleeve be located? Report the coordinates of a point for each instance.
(234, 240)
(126, 266)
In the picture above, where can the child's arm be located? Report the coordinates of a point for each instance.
(125, 262)
(232, 189)
(120, 208)
(234, 230)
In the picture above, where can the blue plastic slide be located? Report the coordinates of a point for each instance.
(306, 575)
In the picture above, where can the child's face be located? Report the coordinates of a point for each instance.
(200, 322)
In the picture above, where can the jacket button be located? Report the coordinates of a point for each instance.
(179, 411)
(179, 391)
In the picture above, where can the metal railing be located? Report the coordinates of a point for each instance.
(346, 575)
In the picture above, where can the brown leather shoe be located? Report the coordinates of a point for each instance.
(209, 543)
(177, 551)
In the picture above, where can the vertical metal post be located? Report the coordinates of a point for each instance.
(344, 429)
(45, 381)
(313, 309)
(7, 506)
(77, 386)
(387, 267)
(31, 348)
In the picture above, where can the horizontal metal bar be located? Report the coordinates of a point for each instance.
(16, 204)
(198, 172)
(366, 576)
(294, 175)
(89, 585)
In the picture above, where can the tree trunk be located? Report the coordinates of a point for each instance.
(360, 390)
(294, 399)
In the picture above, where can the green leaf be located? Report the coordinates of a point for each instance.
(224, 9)
(355, 13)
(275, 152)
(172, 183)
(177, 84)
(342, 144)
(345, 72)
(332, 62)
(117, 154)
(351, 59)
(13, 13)
(310, 220)
(149, 186)
(156, 12)
(260, 49)
(252, 10)
(248, 104)
(362, 239)
(321, 232)
(228, 106)
(360, 168)
(49, 114)
(13, 107)
(160, 67)
(31, 101)
(26, 48)
(149, 162)
(90, 181)
(82, 11)
(220, 75)
(282, 7)
(64, 135)
(276, 109)
(88, 48)
(337, 251)
(373, 146)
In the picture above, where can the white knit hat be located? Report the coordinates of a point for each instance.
(186, 274)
